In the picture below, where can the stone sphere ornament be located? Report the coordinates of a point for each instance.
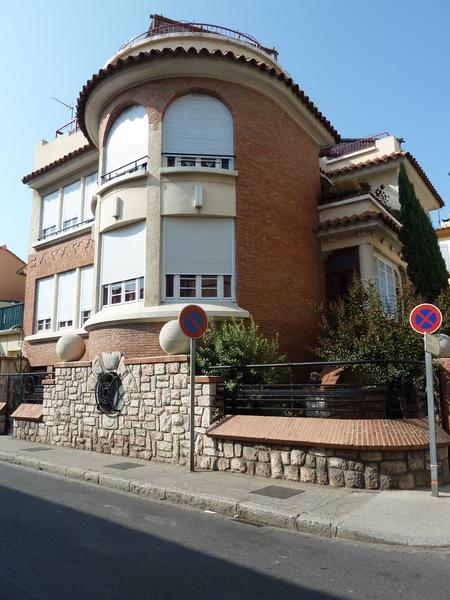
(172, 340)
(70, 347)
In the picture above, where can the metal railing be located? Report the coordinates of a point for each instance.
(11, 316)
(349, 147)
(131, 167)
(65, 230)
(69, 127)
(375, 396)
(16, 388)
(211, 161)
(192, 27)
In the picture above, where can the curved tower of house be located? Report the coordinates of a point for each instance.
(194, 177)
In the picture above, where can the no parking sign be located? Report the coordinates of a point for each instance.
(425, 318)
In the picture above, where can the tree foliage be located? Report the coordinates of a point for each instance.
(426, 267)
(236, 342)
(356, 327)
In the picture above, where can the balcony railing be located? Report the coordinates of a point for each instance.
(191, 27)
(209, 161)
(69, 127)
(67, 229)
(350, 147)
(140, 164)
(11, 316)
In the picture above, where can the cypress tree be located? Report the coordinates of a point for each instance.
(426, 267)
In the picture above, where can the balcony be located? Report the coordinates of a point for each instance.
(52, 233)
(69, 127)
(351, 146)
(194, 161)
(11, 316)
(177, 27)
(140, 164)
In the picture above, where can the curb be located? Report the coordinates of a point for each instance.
(244, 510)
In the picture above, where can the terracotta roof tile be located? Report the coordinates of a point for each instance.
(383, 160)
(57, 163)
(151, 55)
(364, 217)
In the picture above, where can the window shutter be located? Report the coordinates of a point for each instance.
(90, 188)
(71, 201)
(127, 139)
(123, 254)
(198, 124)
(50, 205)
(44, 298)
(66, 296)
(445, 254)
(202, 246)
(86, 288)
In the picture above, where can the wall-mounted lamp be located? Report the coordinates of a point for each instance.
(198, 196)
(116, 207)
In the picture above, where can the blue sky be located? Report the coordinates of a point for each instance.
(368, 66)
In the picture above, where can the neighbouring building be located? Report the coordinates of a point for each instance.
(198, 171)
(12, 295)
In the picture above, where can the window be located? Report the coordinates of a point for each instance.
(50, 209)
(90, 189)
(445, 254)
(66, 299)
(67, 284)
(123, 292)
(86, 296)
(389, 285)
(123, 264)
(71, 205)
(126, 147)
(198, 257)
(44, 303)
(198, 132)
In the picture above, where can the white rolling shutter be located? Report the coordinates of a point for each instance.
(198, 246)
(90, 187)
(123, 254)
(71, 201)
(50, 206)
(127, 139)
(445, 254)
(66, 296)
(44, 298)
(198, 124)
(86, 288)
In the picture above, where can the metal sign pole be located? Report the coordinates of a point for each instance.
(431, 424)
(192, 407)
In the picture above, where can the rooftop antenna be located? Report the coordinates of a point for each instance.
(69, 106)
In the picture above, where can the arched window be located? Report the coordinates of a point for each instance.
(126, 146)
(198, 132)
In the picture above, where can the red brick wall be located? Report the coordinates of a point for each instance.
(280, 275)
(133, 340)
(77, 252)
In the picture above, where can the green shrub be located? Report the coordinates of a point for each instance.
(236, 342)
(357, 328)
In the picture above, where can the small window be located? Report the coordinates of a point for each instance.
(44, 324)
(188, 286)
(187, 161)
(70, 223)
(64, 324)
(227, 286)
(85, 315)
(130, 291)
(116, 293)
(49, 231)
(169, 286)
(141, 288)
(209, 286)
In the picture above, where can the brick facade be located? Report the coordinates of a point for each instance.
(279, 269)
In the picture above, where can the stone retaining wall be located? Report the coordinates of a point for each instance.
(154, 420)
(339, 468)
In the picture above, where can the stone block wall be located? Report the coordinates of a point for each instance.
(371, 470)
(152, 425)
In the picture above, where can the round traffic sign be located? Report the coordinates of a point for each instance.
(425, 318)
(193, 321)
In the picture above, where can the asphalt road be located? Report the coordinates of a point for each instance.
(61, 540)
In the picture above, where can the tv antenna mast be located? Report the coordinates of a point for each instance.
(68, 106)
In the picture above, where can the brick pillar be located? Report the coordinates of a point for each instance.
(444, 380)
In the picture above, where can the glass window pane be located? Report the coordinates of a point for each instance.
(169, 286)
(227, 286)
(130, 291)
(141, 288)
(209, 286)
(116, 293)
(187, 286)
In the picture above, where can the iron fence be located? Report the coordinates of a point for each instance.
(363, 390)
(16, 388)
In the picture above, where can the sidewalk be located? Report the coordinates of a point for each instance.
(410, 518)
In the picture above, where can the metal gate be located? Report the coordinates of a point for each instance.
(16, 388)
